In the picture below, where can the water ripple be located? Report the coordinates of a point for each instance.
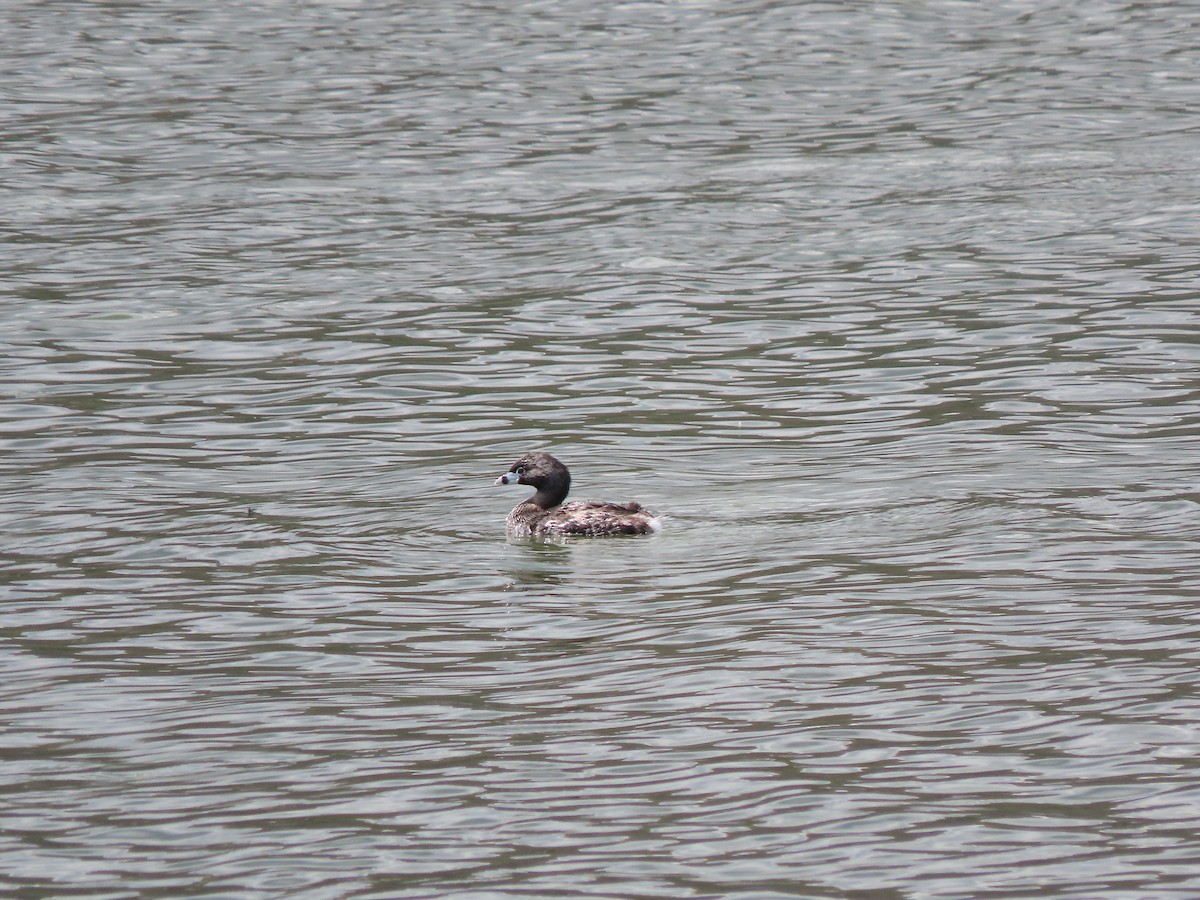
(890, 315)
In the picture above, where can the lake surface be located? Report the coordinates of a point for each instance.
(892, 310)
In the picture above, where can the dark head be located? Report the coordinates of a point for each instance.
(544, 472)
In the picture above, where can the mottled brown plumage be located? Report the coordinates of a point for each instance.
(545, 514)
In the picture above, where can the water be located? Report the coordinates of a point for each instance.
(890, 309)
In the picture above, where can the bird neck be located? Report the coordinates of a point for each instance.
(548, 497)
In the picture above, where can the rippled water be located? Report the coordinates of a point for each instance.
(891, 309)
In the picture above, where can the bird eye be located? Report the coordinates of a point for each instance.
(520, 470)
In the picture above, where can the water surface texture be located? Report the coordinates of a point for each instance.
(891, 309)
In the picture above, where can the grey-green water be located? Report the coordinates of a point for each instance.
(891, 309)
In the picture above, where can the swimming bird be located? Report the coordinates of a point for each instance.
(545, 514)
